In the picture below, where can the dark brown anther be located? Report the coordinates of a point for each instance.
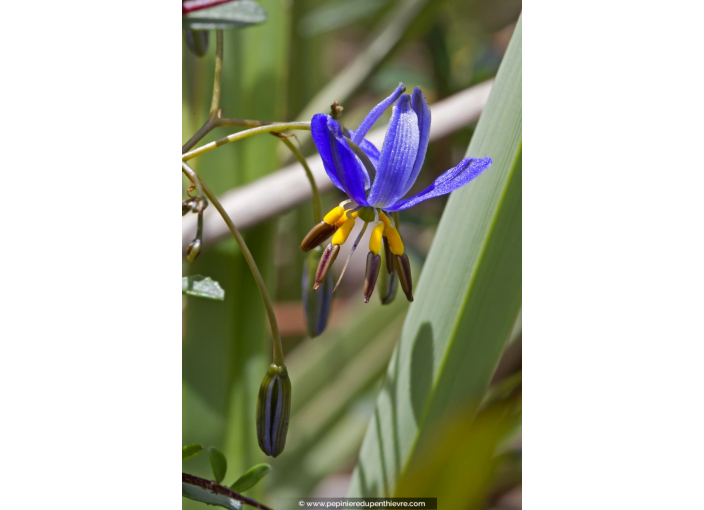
(403, 270)
(315, 237)
(326, 260)
(373, 266)
(388, 256)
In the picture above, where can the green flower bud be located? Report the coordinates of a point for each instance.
(197, 41)
(188, 205)
(388, 285)
(273, 410)
(193, 250)
(315, 304)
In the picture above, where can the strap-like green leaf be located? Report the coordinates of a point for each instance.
(466, 303)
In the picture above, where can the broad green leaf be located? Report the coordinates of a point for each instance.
(251, 477)
(239, 13)
(218, 462)
(466, 303)
(202, 286)
(209, 497)
(190, 451)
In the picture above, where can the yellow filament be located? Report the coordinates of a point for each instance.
(375, 239)
(343, 232)
(385, 219)
(334, 215)
(345, 217)
(395, 242)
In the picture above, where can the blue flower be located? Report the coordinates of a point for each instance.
(377, 181)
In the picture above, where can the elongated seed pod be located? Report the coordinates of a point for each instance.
(273, 410)
(315, 304)
(197, 41)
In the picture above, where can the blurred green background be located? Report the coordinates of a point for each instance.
(273, 71)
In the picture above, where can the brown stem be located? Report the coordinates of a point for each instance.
(221, 489)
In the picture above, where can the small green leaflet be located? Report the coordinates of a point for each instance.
(190, 451)
(251, 477)
(218, 462)
(202, 286)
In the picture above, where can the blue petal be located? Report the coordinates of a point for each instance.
(454, 178)
(339, 161)
(376, 112)
(350, 171)
(420, 106)
(369, 149)
(321, 138)
(398, 155)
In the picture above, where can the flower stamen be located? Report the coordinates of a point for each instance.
(354, 247)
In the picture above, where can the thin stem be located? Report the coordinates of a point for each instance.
(217, 122)
(271, 128)
(240, 122)
(220, 489)
(354, 247)
(214, 102)
(317, 207)
(217, 82)
(278, 349)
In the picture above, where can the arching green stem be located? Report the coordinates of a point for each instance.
(271, 128)
(278, 351)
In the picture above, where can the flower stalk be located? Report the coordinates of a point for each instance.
(278, 351)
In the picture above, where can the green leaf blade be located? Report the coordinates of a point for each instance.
(202, 286)
(218, 462)
(191, 450)
(467, 301)
(251, 477)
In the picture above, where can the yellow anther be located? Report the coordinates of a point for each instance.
(385, 219)
(334, 215)
(343, 232)
(345, 217)
(395, 242)
(375, 239)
